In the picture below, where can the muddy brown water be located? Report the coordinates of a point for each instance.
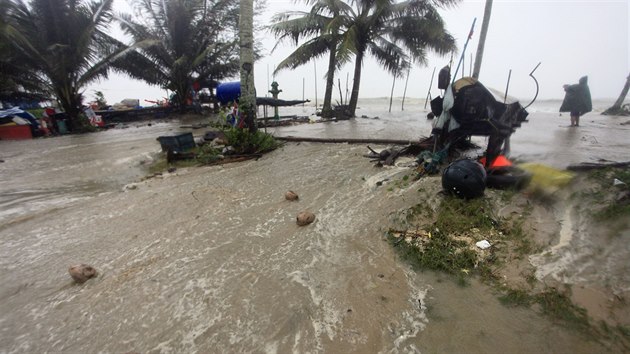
(210, 259)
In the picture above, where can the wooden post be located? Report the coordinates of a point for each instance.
(429, 91)
(402, 107)
(391, 96)
(315, 66)
(347, 77)
(340, 94)
(303, 85)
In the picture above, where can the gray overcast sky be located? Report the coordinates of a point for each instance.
(571, 38)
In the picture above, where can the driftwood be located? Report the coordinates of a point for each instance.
(194, 126)
(356, 141)
(233, 158)
(587, 166)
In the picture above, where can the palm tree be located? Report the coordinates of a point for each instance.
(322, 23)
(616, 107)
(482, 38)
(396, 34)
(248, 91)
(178, 41)
(59, 47)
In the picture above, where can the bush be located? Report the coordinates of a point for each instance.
(245, 142)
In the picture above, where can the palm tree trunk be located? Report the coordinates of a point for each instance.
(623, 94)
(248, 90)
(482, 38)
(181, 94)
(354, 97)
(327, 111)
(70, 103)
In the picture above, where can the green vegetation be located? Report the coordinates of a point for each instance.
(603, 179)
(558, 305)
(37, 112)
(606, 202)
(292, 26)
(444, 239)
(243, 143)
(56, 48)
(516, 297)
(554, 304)
(447, 244)
(246, 142)
(455, 215)
(438, 252)
(178, 42)
(396, 34)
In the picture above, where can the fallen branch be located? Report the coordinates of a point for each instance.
(587, 166)
(355, 141)
(233, 158)
(409, 233)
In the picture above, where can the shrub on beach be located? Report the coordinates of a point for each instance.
(245, 142)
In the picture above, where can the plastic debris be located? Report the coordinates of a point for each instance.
(483, 244)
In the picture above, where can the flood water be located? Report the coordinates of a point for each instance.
(210, 259)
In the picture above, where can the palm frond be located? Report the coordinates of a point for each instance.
(312, 49)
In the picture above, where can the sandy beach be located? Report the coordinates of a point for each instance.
(209, 259)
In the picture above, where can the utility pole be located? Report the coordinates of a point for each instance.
(482, 38)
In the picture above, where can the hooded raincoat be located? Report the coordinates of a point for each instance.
(577, 98)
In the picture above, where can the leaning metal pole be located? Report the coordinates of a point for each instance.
(472, 28)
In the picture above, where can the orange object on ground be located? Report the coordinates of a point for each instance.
(500, 161)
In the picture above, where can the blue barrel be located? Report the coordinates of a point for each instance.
(228, 92)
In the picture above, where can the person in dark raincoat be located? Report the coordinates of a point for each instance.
(577, 100)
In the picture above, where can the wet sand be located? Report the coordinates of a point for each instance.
(210, 259)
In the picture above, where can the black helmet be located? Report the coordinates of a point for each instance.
(464, 178)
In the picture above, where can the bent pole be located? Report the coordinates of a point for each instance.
(402, 106)
(461, 58)
(537, 86)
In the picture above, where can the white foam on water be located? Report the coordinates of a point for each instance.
(557, 258)
(271, 348)
(415, 319)
(296, 342)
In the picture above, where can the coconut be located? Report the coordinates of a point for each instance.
(304, 218)
(81, 272)
(291, 195)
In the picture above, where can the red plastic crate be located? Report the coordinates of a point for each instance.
(15, 132)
